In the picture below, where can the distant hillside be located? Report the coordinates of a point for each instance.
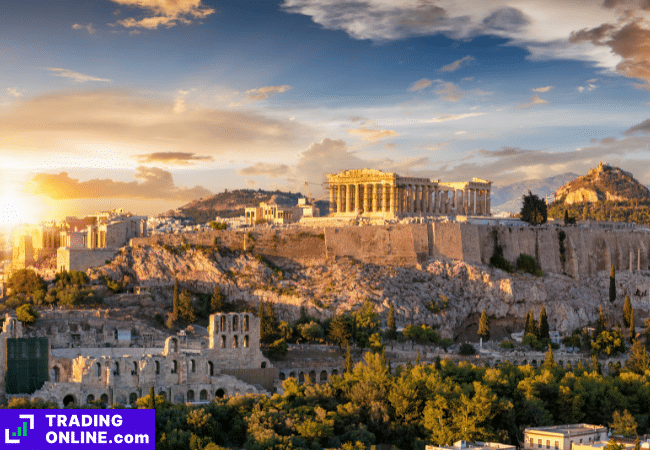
(508, 198)
(605, 193)
(603, 183)
(232, 204)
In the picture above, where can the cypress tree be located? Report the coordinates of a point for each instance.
(543, 325)
(392, 327)
(527, 326)
(632, 330)
(484, 326)
(601, 324)
(627, 311)
(216, 302)
(176, 300)
(348, 360)
(612, 285)
(152, 399)
(549, 359)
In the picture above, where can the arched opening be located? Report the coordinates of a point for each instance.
(220, 393)
(263, 364)
(282, 376)
(104, 398)
(249, 391)
(132, 398)
(157, 368)
(190, 396)
(246, 323)
(174, 366)
(98, 369)
(90, 398)
(174, 345)
(163, 394)
(69, 400)
(301, 377)
(312, 376)
(223, 324)
(116, 369)
(134, 371)
(292, 375)
(55, 375)
(235, 341)
(210, 368)
(203, 395)
(235, 323)
(323, 376)
(246, 341)
(223, 341)
(335, 372)
(193, 366)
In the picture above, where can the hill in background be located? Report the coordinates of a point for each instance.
(509, 198)
(232, 203)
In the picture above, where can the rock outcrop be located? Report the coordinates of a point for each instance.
(441, 294)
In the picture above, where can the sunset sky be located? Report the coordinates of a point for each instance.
(148, 104)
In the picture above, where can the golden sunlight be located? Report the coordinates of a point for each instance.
(17, 208)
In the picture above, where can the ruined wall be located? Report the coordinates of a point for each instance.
(82, 259)
(393, 244)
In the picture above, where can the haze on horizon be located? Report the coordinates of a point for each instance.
(148, 105)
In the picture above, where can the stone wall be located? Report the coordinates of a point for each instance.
(82, 259)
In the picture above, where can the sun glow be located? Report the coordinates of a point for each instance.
(17, 208)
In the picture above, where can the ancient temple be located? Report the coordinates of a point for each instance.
(373, 193)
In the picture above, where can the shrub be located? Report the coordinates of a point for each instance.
(278, 349)
(467, 350)
(527, 264)
(507, 345)
(26, 314)
(159, 319)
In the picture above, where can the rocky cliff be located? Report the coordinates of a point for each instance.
(604, 183)
(441, 294)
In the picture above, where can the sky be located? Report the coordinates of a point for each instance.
(149, 104)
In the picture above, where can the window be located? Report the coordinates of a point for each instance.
(193, 365)
(557, 444)
(98, 370)
(245, 323)
(246, 341)
(135, 369)
(117, 369)
(532, 441)
(223, 324)
(223, 341)
(174, 366)
(539, 443)
(235, 323)
(210, 368)
(157, 368)
(235, 342)
(548, 444)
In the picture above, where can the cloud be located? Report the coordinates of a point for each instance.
(456, 64)
(450, 92)
(589, 87)
(503, 151)
(156, 184)
(251, 183)
(453, 117)
(14, 92)
(420, 84)
(167, 13)
(467, 79)
(543, 89)
(75, 76)
(368, 134)
(89, 27)
(534, 100)
(526, 26)
(255, 95)
(643, 127)
(124, 121)
(179, 158)
(270, 170)
(460, 132)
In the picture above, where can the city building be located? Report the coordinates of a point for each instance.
(373, 193)
(272, 213)
(563, 437)
(473, 446)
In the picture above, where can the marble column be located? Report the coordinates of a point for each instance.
(357, 206)
(366, 199)
(384, 198)
(339, 198)
(374, 197)
(332, 204)
(348, 198)
(393, 210)
(473, 199)
(488, 212)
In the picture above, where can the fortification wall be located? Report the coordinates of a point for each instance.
(382, 245)
(82, 259)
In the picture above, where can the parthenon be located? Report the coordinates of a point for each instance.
(369, 192)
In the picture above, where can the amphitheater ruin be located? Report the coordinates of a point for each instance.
(231, 364)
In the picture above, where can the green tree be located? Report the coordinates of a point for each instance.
(467, 350)
(152, 398)
(632, 329)
(268, 323)
(484, 326)
(533, 209)
(26, 314)
(185, 308)
(176, 300)
(25, 281)
(610, 343)
(627, 311)
(601, 323)
(311, 332)
(624, 424)
(637, 359)
(278, 349)
(543, 331)
(549, 359)
(390, 323)
(531, 324)
(340, 330)
(348, 359)
(216, 301)
(612, 284)
(613, 445)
